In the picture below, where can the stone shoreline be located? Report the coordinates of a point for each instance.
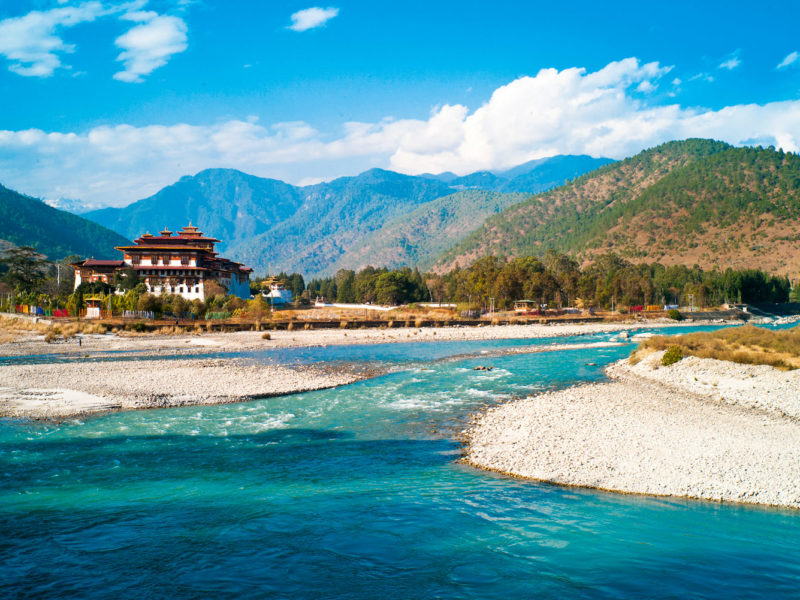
(191, 343)
(656, 431)
(61, 390)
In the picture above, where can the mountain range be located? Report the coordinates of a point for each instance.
(685, 202)
(349, 222)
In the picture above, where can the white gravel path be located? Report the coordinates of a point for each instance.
(726, 442)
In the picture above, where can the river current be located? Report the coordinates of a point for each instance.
(357, 492)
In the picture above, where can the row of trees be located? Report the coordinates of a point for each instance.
(558, 280)
(371, 285)
(555, 279)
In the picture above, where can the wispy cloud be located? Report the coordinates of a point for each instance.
(731, 61)
(570, 111)
(149, 45)
(790, 59)
(32, 44)
(310, 18)
(702, 77)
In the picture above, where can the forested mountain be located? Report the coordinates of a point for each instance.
(26, 221)
(315, 229)
(419, 237)
(333, 217)
(690, 202)
(228, 204)
(531, 177)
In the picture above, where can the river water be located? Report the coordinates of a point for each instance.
(357, 492)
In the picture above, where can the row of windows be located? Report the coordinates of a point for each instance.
(183, 289)
(180, 273)
(137, 260)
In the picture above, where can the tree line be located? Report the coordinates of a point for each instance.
(554, 279)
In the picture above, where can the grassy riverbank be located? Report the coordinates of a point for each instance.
(745, 345)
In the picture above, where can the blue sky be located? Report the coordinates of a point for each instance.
(106, 101)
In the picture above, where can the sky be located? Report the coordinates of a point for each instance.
(104, 102)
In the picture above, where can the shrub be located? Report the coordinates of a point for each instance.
(266, 336)
(672, 355)
(675, 314)
(139, 327)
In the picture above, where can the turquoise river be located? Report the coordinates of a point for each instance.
(358, 492)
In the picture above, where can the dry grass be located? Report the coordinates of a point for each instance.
(166, 330)
(70, 330)
(12, 329)
(745, 345)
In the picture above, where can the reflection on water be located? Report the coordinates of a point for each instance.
(357, 493)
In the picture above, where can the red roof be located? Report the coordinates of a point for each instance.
(91, 262)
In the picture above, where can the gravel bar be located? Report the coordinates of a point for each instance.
(665, 431)
(59, 390)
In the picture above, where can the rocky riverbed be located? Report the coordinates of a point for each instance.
(59, 390)
(194, 343)
(699, 429)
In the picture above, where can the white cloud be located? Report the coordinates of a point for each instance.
(646, 87)
(554, 112)
(790, 59)
(33, 46)
(310, 18)
(31, 42)
(149, 45)
(730, 63)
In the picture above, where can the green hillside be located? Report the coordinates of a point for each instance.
(419, 237)
(26, 221)
(334, 216)
(692, 202)
(225, 203)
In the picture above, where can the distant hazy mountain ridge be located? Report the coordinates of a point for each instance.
(348, 222)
